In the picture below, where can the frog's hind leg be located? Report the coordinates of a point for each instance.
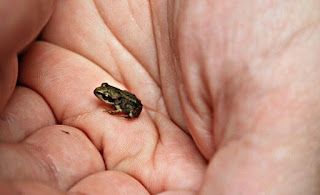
(130, 115)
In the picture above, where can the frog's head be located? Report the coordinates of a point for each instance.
(106, 93)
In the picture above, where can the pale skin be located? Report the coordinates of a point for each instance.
(230, 93)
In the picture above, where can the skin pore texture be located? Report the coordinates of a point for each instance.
(230, 95)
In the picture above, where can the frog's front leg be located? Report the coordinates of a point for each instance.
(116, 111)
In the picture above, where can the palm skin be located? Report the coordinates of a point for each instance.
(226, 109)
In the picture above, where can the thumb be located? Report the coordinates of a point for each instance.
(21, 22)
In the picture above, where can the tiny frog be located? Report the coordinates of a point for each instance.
(121, 100)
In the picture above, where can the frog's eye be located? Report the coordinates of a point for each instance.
(104, 84)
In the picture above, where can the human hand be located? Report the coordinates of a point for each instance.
(66, 139)
(227, 86)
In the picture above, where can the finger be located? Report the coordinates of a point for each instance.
(57, 156)
(25, 113)
(21, 21)
(109, 182)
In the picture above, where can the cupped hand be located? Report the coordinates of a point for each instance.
(56, 132)
(232, 85)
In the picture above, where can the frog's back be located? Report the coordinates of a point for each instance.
(131, 97)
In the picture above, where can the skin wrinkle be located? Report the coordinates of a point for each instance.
(46, 162)
(106, 25)
(135, 174)
(190, 100)
(9, 125)
(167, 88)
(158, 68)
(128, 52)
(123, 46)
(232, 101)
(88, 57)
(205, 97)
(45, 100)
(13, 131)
(132, 15)
(175, 58)
(198, 110)
(189, 92)
(130, 6)
(203, 125)
(295, 37)
(156, 44)
(117, 166)
(207, 131)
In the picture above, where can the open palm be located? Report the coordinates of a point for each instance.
(69, 139)
(219, 83)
